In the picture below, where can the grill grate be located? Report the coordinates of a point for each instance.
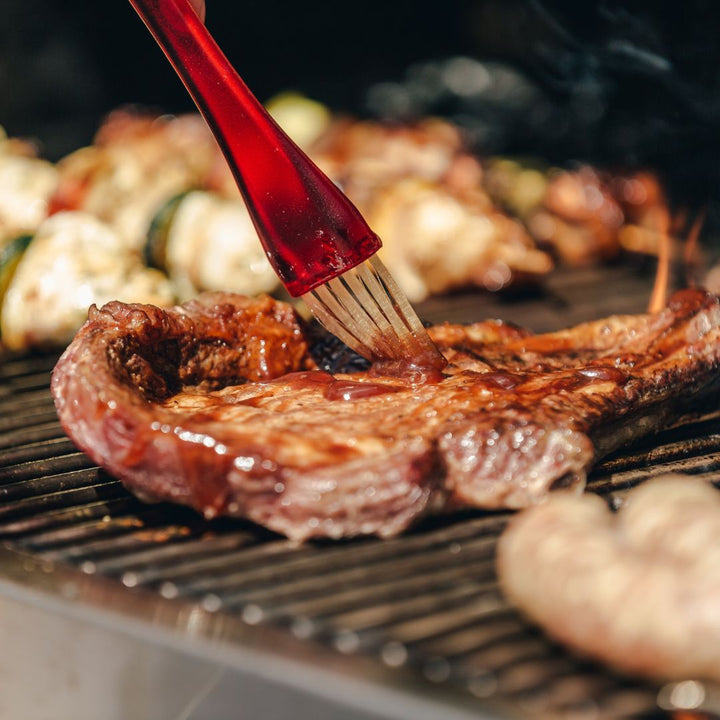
(427, 601)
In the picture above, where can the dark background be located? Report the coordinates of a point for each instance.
(65, 64)
(619, 83)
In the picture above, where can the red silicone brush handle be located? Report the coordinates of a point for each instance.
(311, 232)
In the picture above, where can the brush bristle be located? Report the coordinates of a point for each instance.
(366, 309)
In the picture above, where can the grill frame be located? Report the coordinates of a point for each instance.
(419, 617)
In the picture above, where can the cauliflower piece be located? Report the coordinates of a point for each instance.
(73, 261)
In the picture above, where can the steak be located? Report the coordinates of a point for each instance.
(221, 404)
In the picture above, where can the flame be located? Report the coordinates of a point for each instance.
(691, 250)
(661, 221)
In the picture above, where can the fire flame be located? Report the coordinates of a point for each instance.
(661, 222)
(691, 251)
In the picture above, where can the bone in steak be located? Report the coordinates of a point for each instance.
(638, 589)
(219, 404)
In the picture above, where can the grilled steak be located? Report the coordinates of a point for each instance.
(220, 404)
(638, 590)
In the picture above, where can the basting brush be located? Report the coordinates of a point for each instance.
(316, 240)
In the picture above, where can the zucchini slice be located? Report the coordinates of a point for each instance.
(154, 252)
(10, 255)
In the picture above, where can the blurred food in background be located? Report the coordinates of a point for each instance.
(486, 142)
(150, 213)
(72, 261)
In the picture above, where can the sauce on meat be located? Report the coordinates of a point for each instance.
(334, 388)
(603, 373)
(501, 380)
(423, 369)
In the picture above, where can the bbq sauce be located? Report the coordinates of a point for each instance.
(333, 388)
(604, 373)
(350, 390)
(501, 380)
(588, 375)
(423, 369)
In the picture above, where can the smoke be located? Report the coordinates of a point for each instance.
(625, 84)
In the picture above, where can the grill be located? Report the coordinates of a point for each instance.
(421, 613)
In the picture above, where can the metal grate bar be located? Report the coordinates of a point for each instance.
(499, 625)
(366, 606)
(707, 465)
(75, 541)
(50, 488)
(72, 489)
(63, 543)
(13, 367)
(642, 458)
(275, 558)
(40, 450)
(33, 381)
(17, 529)
(44, 468)
(429, 634)
(13, 402)
(143, 564)
(357, 626)
(35, 417)
(309, 578)
(31, 434)
(262, 587)
(158, 542)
